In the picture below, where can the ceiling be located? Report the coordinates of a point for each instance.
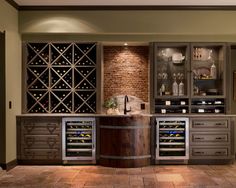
(125, 2)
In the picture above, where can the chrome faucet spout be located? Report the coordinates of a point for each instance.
(126, 99)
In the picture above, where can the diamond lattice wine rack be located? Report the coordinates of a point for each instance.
(60, 78)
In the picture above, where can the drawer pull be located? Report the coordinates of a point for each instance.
(220, 138)
(51, 142)
(52, 155)
(51, 127)
(29, 154)
(199, 123)
(199, 152)
(29, 141)
(29, 127)
(220, 152)
(199, 138)
(220, 124)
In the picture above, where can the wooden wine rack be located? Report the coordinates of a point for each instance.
(60, 78)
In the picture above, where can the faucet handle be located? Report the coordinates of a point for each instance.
(129, 109)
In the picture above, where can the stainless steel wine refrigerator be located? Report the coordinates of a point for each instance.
(172, 138)
(79, 139)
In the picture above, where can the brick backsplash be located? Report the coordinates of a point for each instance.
(126, 71)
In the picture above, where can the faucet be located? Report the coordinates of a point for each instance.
(125, 102)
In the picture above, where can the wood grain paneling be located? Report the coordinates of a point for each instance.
(124, 141)
(39, 140)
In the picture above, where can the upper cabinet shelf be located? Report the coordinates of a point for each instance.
(188, 71)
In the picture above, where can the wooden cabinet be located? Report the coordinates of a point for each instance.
(39, 140)
(208, 78)
(211, 138)
(189, 78)
(171, 78)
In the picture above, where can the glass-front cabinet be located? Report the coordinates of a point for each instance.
(171, 77)
(208, 78)
(189, 78)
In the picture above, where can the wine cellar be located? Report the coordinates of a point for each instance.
(60, 78)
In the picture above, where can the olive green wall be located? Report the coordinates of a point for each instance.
(131, 25)
(2, 100)
(9, 23)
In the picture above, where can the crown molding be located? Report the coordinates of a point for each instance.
(122, 7)
(13, 3)
(125, 7)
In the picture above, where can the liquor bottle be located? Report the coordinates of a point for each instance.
(162, 89)
(181, 88)
(175, 88)
(213, 72)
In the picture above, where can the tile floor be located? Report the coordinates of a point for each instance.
(159, 176)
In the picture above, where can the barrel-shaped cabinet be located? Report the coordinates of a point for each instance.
(125, 141)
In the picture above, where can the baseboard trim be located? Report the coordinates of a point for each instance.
(10, 165)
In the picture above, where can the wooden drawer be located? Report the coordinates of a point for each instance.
(41, 141)
(210, 138)
(41, 126)
(210, 124)
(208, 152)
(41, 154)
(39, 138)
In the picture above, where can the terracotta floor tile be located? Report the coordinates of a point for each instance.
(169, 178)
(109, 186)
(136, 180)
(155, 176)
(122, 171)
(149, 181)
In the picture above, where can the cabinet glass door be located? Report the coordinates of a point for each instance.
(171, 77)
(208, 70)
(208, 78)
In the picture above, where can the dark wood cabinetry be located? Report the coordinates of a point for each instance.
(39, 140)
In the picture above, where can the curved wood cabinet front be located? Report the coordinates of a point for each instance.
(125, 141)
